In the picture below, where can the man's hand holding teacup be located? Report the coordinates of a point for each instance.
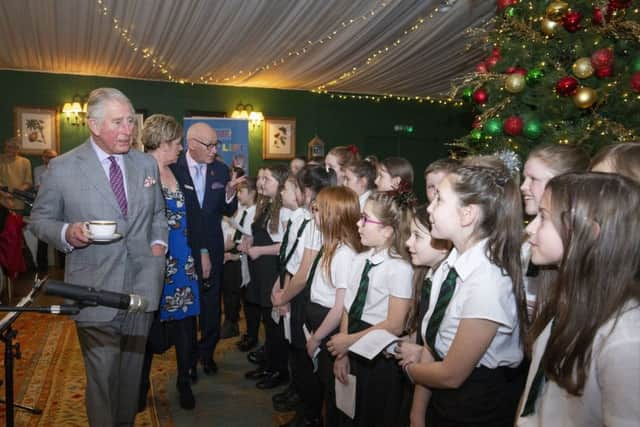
(77, 235)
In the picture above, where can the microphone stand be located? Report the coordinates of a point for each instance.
(11, 350)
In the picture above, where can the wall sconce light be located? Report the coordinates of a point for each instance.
(75, 111)
(245, 111)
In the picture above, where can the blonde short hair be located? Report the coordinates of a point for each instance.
(159, 128)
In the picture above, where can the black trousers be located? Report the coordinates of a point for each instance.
(276, 347)
(231, 280)
(209, 321)
(489, 397)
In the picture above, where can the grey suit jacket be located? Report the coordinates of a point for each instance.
(77, 189)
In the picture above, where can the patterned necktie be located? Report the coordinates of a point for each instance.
(285, 242)
(238, 234)
(355, 312)
(444, 297)
(199, 181)
(117, 185)
(424, 306)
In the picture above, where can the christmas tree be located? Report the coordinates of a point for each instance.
(556, 72)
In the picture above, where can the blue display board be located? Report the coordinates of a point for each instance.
(233, 135)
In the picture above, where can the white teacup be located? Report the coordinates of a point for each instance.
(101, 228)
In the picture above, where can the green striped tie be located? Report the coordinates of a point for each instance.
(444, 297)
(312, 271)
(285, 241)
(355, 312)
(238, 234)
(424, 306)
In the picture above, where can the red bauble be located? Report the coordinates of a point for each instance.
(502, 4)
(510, 70)
(597, 18)
(495, 53)
(480, 96)
(482, 68)
(492, 61)
(521, 71)
(566, 86)
(602, 58)
(571, 21)
(477, 124)
(635, 82)
(513, 125)
(618, 4)
(604, 72)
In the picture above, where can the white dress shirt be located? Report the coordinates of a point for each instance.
(323, 288)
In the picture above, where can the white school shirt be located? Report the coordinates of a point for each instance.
(297, 217)
(323, 289)
(312, 236)
(482, 292)
(531, 284)
(611, 395)
(390, 277)
(245, 229)
(282, 225)
(362, 199)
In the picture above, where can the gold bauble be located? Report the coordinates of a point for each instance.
(556, 9)
(549, 27)
(582, 68)
(515, 83)
(585, 97)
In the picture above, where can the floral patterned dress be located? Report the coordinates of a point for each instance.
(180, 297)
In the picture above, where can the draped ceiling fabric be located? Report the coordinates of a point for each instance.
(230, 42)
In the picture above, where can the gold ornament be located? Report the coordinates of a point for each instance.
(515, 83)
(585, 97)
(549, 27)
(556, 10)
(582, 68)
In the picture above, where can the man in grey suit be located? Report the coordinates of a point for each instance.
(103, 180)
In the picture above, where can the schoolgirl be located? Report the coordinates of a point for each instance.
(427, 255)
(394, 173)
(434, 173)
(472, 327)
(338, 158)
(378, 296)
(360, 176)
(235, 263)
(268, 230)
(623, 159)
(585, 368)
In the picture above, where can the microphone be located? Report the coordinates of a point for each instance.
(91, 297)
(51, 309)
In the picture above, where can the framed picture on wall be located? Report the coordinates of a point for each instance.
(37, 129)
(279, 138)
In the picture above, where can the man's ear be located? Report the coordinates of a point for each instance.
(94, 126)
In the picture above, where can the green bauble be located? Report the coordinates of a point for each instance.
(534, 76)
(635, 65)
(466, 93)
(510, 12)
(532, 129)
(493, 127)
(476, 135)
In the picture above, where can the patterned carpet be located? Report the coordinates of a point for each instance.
(50, 376)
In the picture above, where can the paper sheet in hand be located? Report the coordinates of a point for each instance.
(287, 326)
(346, 396)
(371, 344)
(314, 359)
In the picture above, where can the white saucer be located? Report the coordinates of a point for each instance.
(111, 238)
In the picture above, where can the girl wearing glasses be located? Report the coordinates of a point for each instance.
(378, 296)
(585, 364)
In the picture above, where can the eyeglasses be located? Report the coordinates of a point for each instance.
(365, 219)
(209, 146)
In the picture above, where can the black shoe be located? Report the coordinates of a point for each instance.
(246, 343)
(193, 374)
(258, 374)
(209, 367)
(273, 380)
(229, 330)
(293, 403)
(187, 401)
(256, 357)
(284, 395)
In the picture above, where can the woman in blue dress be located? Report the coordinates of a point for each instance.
(179, 303)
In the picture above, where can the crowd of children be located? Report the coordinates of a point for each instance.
(496, 324)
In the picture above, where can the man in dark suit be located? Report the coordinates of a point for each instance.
(209, 194)
(103, 180)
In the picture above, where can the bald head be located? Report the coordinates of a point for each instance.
(202, 142)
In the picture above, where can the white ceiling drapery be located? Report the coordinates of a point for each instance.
(232, 42)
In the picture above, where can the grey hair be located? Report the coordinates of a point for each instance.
(98, 98)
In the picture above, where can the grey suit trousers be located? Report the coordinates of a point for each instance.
(113, 354)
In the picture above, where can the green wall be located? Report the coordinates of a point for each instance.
(365, 123)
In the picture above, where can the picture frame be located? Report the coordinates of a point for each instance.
(279, 138)
(37, 128)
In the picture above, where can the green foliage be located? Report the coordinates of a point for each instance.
(549, 117)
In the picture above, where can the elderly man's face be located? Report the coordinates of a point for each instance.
(113, 133)
(202, 141)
